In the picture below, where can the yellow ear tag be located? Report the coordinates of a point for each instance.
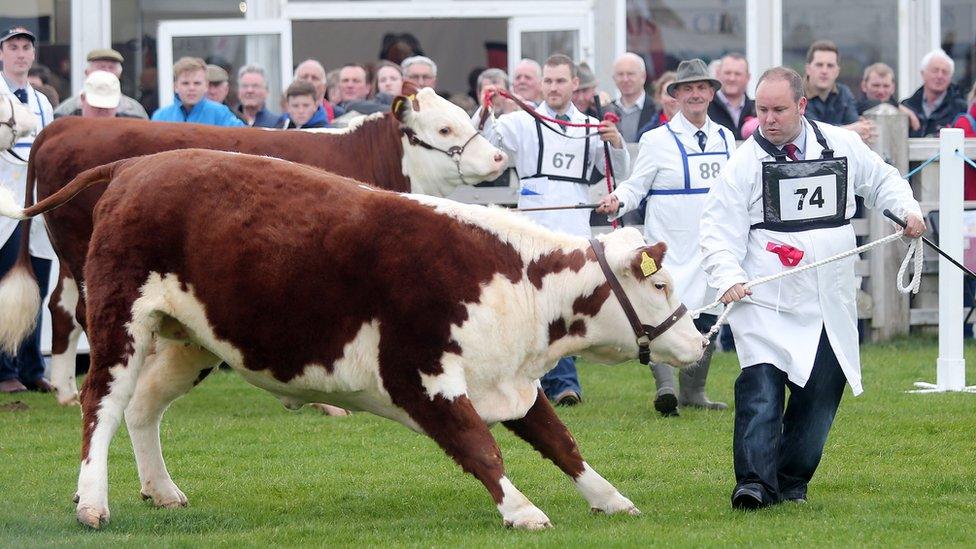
(648, 266)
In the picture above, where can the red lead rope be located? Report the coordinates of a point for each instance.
(608, 116)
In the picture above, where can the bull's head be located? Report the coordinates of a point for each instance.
(650, 289)
(442, 149)
(16, 121)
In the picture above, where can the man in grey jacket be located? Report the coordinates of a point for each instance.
(107, 60)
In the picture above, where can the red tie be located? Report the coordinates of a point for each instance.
(790, 149)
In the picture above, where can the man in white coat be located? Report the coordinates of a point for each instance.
(26, 370)
(785, 199)
(554, 167)
(675, 168)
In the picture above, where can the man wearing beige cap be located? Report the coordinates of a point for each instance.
(101, 96)
(108, 60)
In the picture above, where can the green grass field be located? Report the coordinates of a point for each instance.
(899, 469)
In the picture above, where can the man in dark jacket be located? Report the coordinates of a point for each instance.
(304, 110)
(827, 100)
(732, 107)
(252, 93)
(938, 102)
(634, 107)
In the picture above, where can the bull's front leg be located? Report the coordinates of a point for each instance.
(542, 428)
(455, 425)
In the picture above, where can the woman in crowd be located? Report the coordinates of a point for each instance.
(388, 82)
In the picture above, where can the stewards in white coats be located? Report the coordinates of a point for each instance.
(26, 370)
(554, 169)
(785, 199)
(676, 167)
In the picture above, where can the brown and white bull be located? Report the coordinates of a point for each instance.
(438, 315)
(426, 145)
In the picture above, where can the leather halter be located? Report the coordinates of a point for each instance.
(645, 333)
(454, 152)
(12, 124)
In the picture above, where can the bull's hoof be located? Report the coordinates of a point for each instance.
(169, 498)
(528, 519)
(93, 516)
(69, 399)
(617, 505)
(330, 410)
(76, 499)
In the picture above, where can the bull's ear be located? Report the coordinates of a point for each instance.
(409, 88)
(402, 108)
(647, 260)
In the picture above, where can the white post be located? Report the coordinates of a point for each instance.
(951, 366)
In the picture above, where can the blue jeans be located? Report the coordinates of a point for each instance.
(561, 378)
(778, 452)
(28, 365)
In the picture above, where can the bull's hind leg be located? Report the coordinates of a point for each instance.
(169, 373)
(542, 429)
(456, 426)
(65, 331)
(119, 342)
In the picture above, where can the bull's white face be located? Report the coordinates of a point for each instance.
(654, 299)
(443, 125)
(24, 122)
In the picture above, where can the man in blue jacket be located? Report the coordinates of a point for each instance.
(191, 104)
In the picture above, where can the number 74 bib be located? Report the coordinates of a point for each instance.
(804, 195)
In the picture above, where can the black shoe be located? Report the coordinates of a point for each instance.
(747, 498)
(666, 404)
(568, 397)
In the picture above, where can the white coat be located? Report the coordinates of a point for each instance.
(678, 180)
(781, 322)
(13, 172)
(516, 133)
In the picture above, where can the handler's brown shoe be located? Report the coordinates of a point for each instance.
(568, 397)
(41, 385)
(12, 386)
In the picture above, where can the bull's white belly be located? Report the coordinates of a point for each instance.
(496, 370)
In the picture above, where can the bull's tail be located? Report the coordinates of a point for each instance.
(87, 178)
(20, 297)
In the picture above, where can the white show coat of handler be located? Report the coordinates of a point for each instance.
(675, 175)
(554, 170)
(13, 171)
(781, 322)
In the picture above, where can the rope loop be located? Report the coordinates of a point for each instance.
(913, 257)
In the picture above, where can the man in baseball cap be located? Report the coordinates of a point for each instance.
(108, 60)
(18, 31)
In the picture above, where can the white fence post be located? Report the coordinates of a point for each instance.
(951, 366)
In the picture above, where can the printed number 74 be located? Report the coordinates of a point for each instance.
(816, 199)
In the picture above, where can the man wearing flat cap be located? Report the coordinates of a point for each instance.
(25, 370)
(108, 60)
(676, 166)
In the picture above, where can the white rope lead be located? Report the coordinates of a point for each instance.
(914, 254)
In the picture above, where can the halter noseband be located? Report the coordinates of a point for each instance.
(645, 333)
(454, 152)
